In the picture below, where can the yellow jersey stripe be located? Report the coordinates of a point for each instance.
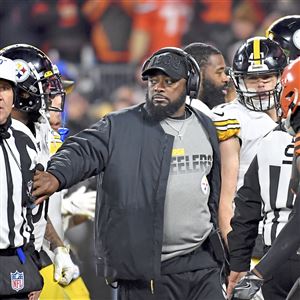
(227, 134)
(226, 122)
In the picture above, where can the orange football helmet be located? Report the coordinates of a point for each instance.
(290, 94)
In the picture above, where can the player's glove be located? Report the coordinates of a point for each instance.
(80, 202)
(247, 287)
(64, 269)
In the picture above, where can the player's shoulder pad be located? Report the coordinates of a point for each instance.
(226, 123)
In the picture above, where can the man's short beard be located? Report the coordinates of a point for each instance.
(212, 95)
(159, 112)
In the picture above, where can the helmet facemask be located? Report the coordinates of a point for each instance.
(256, 72)
(257, 100)
(55, 88)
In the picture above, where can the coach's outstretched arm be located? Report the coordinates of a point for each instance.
(81, 156)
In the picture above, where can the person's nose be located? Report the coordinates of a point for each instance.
(260, 83)
(160, 86)
(225, 78)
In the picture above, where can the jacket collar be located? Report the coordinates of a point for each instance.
(4, 134)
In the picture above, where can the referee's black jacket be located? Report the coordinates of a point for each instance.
(134, 155)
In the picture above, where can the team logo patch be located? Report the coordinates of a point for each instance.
(296, 38)
(23, 70)
(204, 185)
(17, 280)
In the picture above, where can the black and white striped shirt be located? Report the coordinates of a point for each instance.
(274, 161)
(17, 161)
(264, 195)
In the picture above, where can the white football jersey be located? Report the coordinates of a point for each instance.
(252, 125)
(55, 201)
(42, 131)
(225, 126)
(201, 106)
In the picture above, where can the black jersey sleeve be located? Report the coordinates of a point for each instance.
(247, 214)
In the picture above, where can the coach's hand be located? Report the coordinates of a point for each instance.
(44, 185)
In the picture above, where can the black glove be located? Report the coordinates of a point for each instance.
(247, 287)
(295, 120)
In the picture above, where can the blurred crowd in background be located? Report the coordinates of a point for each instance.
(101, 45)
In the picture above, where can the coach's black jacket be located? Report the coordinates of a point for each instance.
(135, 157)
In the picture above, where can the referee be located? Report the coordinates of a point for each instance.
(17, 157)
(265, 195)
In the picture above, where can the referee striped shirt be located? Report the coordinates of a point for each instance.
(264, 196)
(17, 161)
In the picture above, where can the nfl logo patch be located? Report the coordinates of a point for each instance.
(17, 280)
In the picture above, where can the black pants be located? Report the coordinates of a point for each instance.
(197, 285)
(278, 287)
(194, 276)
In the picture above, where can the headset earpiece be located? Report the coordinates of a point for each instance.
(194, 77)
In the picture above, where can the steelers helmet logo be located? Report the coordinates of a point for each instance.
(22, 70)
(296, 38)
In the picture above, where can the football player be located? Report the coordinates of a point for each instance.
(256, 71)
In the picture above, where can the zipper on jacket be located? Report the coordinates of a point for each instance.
(152, 286)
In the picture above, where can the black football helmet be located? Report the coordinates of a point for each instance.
(38, 80)
(286, 32)
(259, 57)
